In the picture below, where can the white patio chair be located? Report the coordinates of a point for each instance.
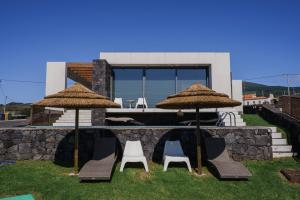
(141, 103)
(119, 101)
(133, 152)
(173, 153)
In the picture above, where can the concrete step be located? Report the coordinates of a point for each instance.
(236, 116)
(279, 141)
(73, 117)
(282, 154)
(274, 129)
(237, 120)
(72, 121)
(282, 148)
(276, 135)
(80, 111)
(234, 112)
(237, 124)
(71, 124)
(80, 114)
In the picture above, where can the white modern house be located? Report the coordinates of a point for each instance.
(139, 80)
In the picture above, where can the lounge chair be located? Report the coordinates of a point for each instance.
(219, 158)
(141, 103)
(173, 153)
(102, 163)
(133, 152)
(119, 101)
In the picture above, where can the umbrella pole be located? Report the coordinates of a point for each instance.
(76, 142)
(198, 136)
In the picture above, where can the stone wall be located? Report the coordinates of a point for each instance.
(101, 85)
(57, 144)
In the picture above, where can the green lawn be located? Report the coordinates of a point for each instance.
(46, 180)
(256, 120)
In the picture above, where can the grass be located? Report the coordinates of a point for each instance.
(46, 180)
(256, 120)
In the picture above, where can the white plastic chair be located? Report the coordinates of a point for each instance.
(141, 103)
(119, 101)
(133, 152)
(173, 153)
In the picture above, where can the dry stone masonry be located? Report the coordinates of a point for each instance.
(56, 144)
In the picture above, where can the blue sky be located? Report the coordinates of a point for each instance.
(262, 36)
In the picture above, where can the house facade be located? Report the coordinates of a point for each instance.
(252, 99)
(145, 78)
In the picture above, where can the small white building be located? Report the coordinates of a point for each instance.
(252, 99)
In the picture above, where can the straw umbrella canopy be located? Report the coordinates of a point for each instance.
(195, 97)
(76, 97)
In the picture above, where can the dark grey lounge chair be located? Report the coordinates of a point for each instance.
(102, 163)
(219, 158)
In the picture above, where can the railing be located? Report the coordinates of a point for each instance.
(223, 116)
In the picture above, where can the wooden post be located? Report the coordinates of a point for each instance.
(49, 117)
(76, 142)
(198, 136)
(31, 115)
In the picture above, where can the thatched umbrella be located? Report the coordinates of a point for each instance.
(195, 97)
(76, 97)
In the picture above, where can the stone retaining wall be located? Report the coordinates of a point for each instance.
(57, 144)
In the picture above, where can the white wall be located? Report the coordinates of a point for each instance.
(237, 93)
(56, 77)
(219, 63)
(257, 102)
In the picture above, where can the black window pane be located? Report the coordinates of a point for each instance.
(187, 77)
(159, 84)
(128, 85)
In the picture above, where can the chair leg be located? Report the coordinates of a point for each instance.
(145, 165)
(189, 165)
(122, 165)
(166, 164)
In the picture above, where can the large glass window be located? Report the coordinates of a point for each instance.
(154, 84)
(187, 77)
(159, 84)
(128, 85)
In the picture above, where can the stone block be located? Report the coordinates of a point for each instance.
(4, 136)
(13, 149)
(250, 142)
(2, 151)
(24, 148)
(47, 157)
(252, 151)
(37, 157)
(50, 139)
(239, 148)
(59, 137)
(262, 140)
(24, 156)
(11, 156)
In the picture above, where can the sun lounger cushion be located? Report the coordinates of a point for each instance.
(219, 158)
(102, 163)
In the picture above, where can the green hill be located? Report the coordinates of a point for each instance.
(265, 90)
(18, 108)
